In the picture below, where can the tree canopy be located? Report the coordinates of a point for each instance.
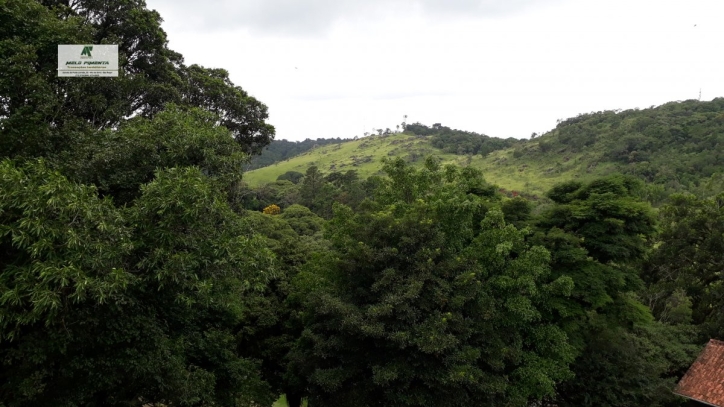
(417, 304)
(138, 268)
(42, 114)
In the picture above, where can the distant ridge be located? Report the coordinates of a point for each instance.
(675, 147)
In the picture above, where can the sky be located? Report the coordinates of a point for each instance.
(504, 68)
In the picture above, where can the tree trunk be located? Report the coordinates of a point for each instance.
(294, 399)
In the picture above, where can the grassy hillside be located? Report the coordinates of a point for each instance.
(677, 146)
(365, 155)
(280, 150)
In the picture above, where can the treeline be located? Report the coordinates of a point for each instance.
(461, 142)
(280, 150)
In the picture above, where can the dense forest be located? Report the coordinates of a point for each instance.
(138, 269)
(676, 147)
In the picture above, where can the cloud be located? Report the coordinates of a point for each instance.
(315, 17)
(372, 95)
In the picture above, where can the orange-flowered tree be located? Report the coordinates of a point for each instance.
(272, 210)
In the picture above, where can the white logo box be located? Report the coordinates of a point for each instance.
(94, 60)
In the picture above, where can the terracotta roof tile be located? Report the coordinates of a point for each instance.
(704, 381)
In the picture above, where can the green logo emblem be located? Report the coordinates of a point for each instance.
(87, 51)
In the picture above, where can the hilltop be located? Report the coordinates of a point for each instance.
(501, 167)
(674, 147)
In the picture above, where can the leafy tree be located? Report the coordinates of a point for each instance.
(106, 306)
(43, 115)
(597, 234)
(60, 245)
(284, 193)
(460, 142)
(311, 186)
(275, 321)
(302, 220)
(293, 176)
(272, 210)
(416, 305)
(350, 188)
(316, 193)
(684, 271)
(124, 273)
(606, 215)
(517, 211)
(212, 90)
(119, 161)
(280, 150)
(630, 367)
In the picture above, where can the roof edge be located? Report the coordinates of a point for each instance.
(696, 399)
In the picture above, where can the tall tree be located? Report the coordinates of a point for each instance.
(684, 271)
(597, 234)
(107, 306)
(417, 305)
(41, 114)
(119, 161)
(275, 318)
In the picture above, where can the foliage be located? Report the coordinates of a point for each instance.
(212, 90)
(517, 211)
(597, 234)
(280, 150)
(612, 223)
(274, 322)
(60, 245)
(272, 210)
(630, 367)
(284, 193)
(303, 220)
(461, 142)
(119, 161)
(293, 176)
(418, 305)
(161, 283)
(43, 115)
(684, 271)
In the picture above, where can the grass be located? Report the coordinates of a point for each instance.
(282, 402)
(533, 175)
(363, 155)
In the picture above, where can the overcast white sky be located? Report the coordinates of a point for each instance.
(505, 68)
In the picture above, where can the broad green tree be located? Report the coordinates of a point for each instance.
(42, 115)
(108, 306)
(275, 322)
(293, 176)
(598, 233)
(418, 305)
(684, 271)
(119, 161)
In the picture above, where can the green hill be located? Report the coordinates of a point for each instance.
(280, 150)
(674, 147)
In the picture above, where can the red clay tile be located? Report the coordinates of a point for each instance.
(704, 381)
